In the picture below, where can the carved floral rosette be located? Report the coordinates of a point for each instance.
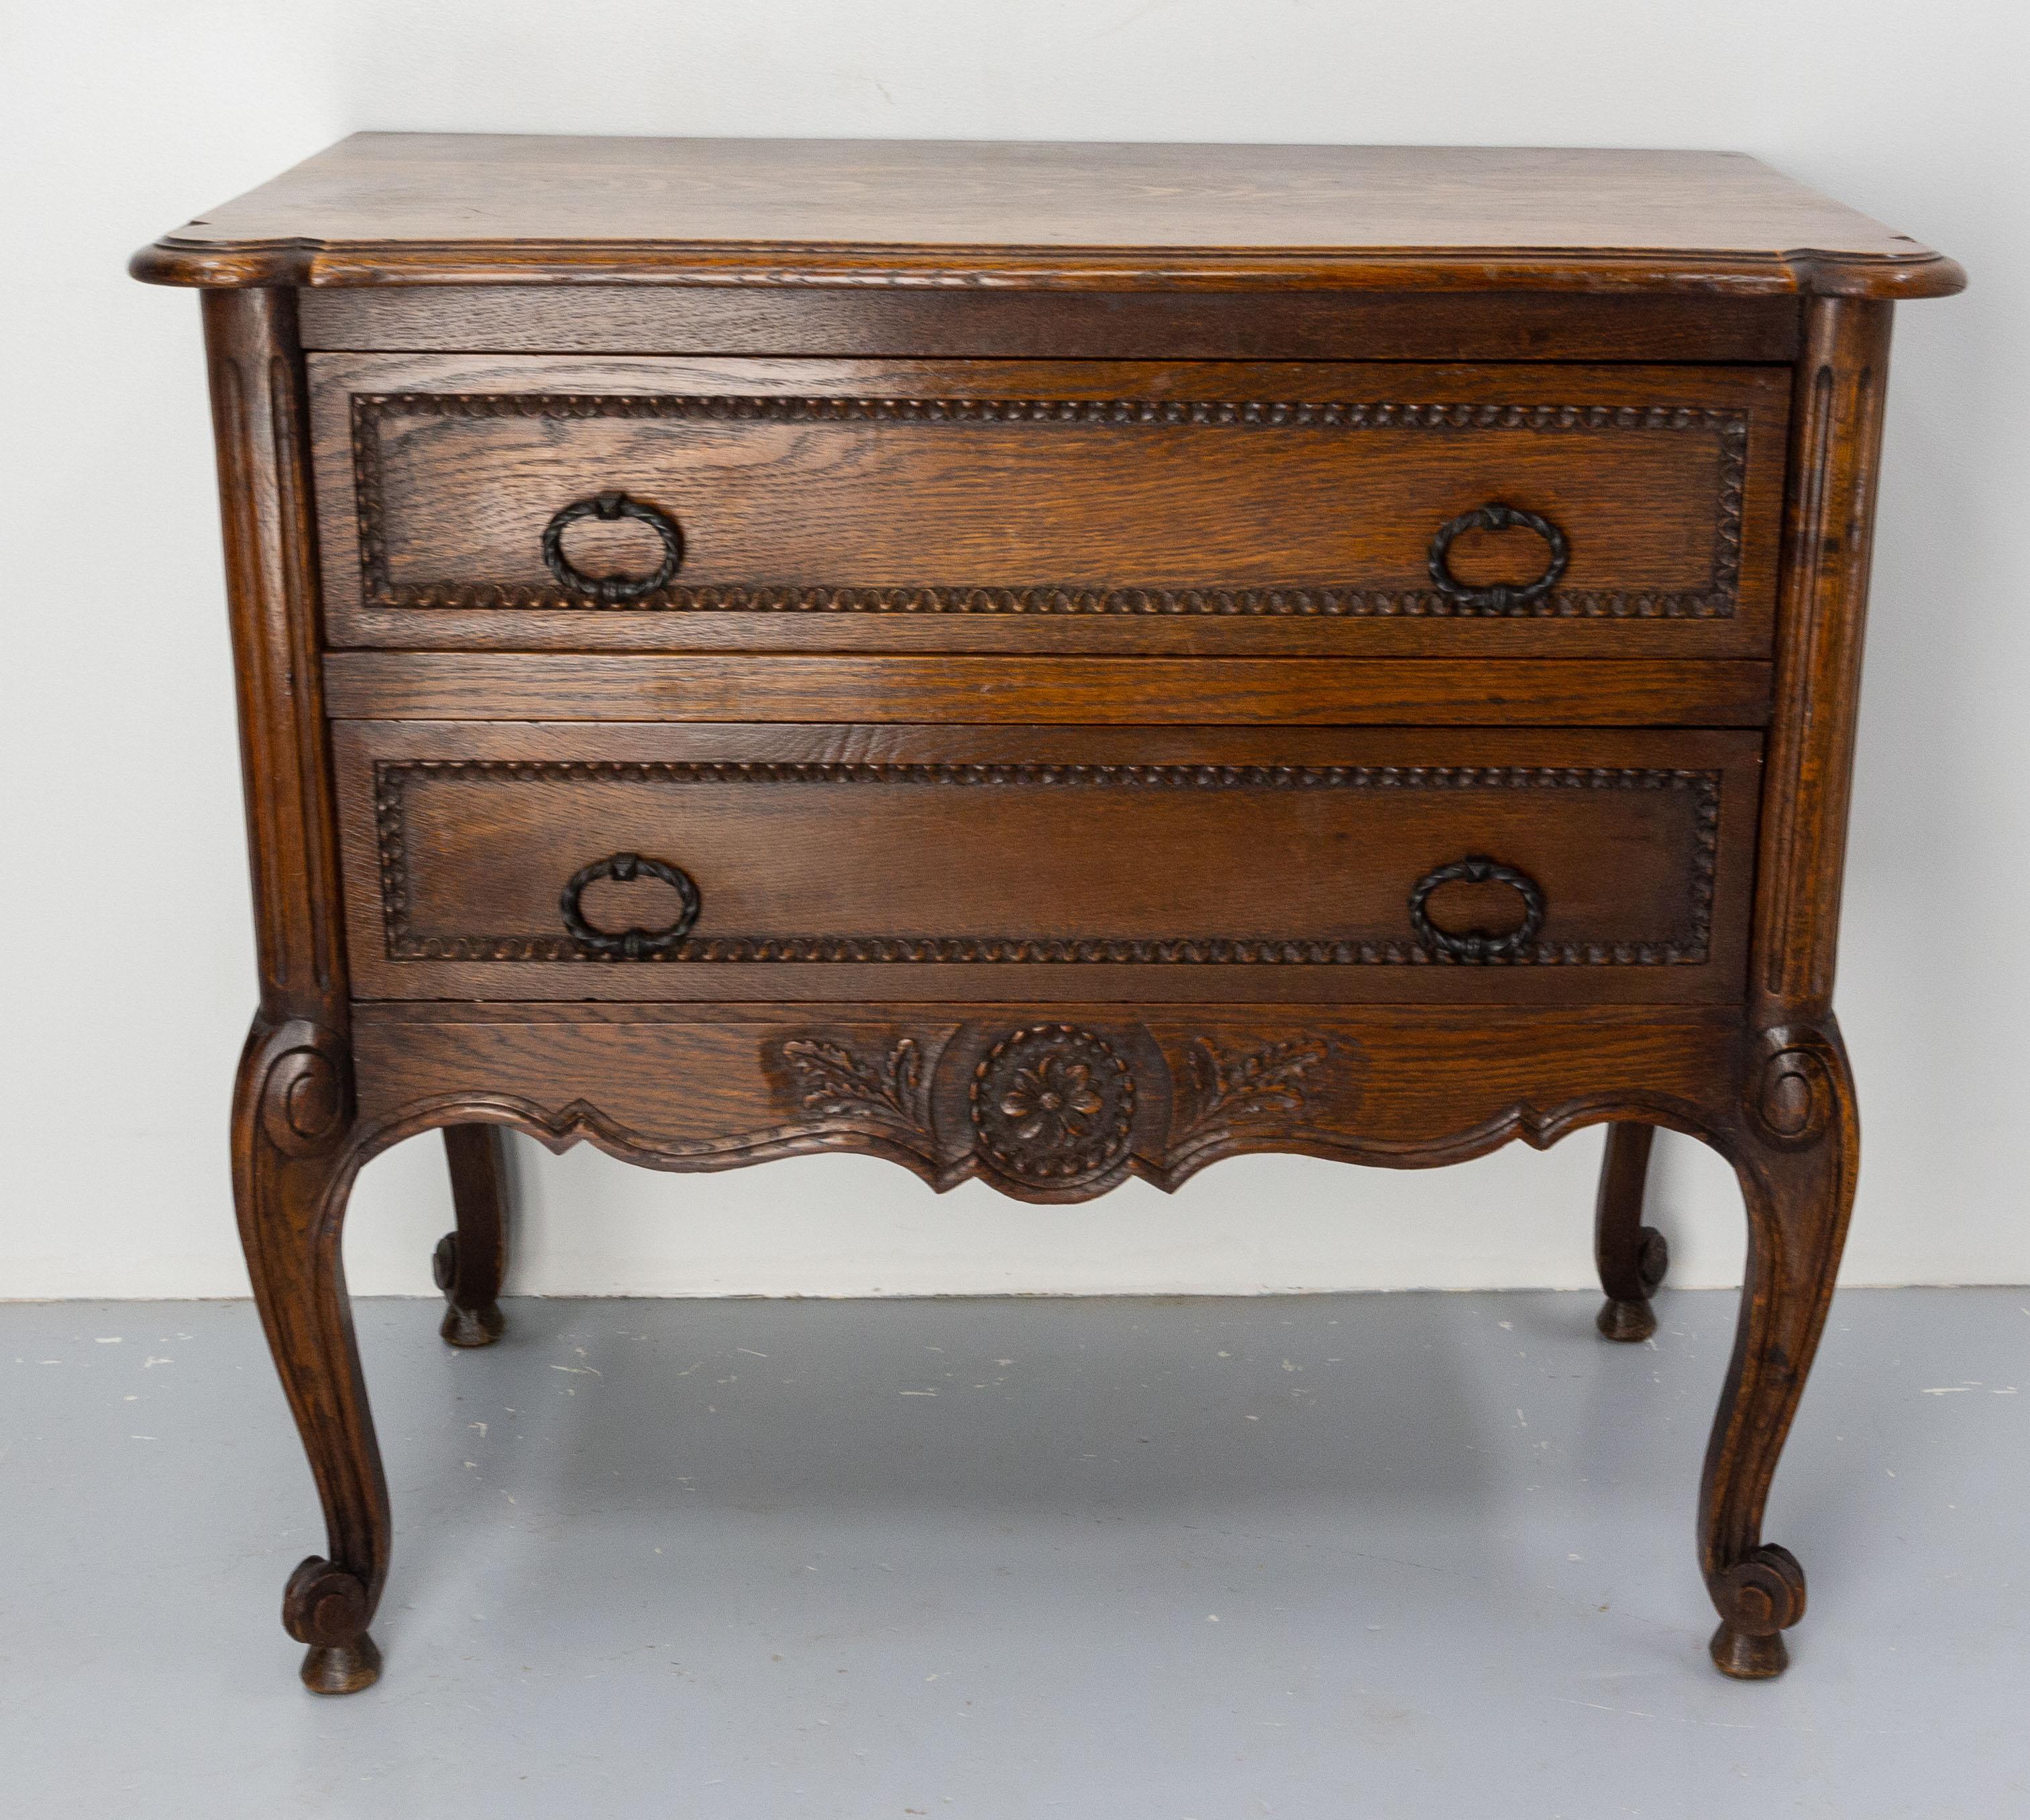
(1053, 1104)
(1048, 1110)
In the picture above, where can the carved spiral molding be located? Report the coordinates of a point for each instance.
(1717, 599)
(324, 1605)
(1761, 1594)
(305, 1094)
(1690, 946)
(1794, 1096)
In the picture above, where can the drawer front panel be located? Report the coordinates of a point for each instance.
(793, 862)
(482, 500)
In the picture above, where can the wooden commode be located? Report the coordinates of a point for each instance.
(1048, 663)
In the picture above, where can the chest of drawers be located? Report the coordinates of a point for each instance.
(1046, 663)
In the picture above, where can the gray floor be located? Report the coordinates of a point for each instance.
(1344, 1556)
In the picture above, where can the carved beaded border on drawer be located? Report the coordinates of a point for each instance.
(1716, 601)
(1691, 948)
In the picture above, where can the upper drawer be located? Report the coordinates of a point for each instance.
(1032, 506)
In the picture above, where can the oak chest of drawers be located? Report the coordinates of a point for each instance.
(1043, 662)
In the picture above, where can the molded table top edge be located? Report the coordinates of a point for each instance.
(432, 209)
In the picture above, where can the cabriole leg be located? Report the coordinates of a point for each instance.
(471, 1261)
(293, 1167)
(1632, 1257)
(1796, 1155)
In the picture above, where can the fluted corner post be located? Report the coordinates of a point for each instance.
(1836, 414)
(292, 1123)
(1793, 1134)
(261, 423)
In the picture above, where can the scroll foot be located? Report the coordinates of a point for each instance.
(1760, 1599)
(326, 1607)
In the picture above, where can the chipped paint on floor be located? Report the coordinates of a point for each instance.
(1006, 1558)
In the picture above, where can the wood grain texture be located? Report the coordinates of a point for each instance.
(1797, 1151)
(260, 430)
(1503, 325)
(423, 208)
(1053, 757)
(708, 1087)
(293, 1100)
(471, 1260)
(292, 1167)
(1631, 1258)
(1841, 385)
(1140, 691)
(1160, 866)
(951, 494)
(1160, 1093)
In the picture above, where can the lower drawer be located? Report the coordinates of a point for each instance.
(533, 861)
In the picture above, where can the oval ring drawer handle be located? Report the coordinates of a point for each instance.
(612, 590)
(1477, 944)
(631, 944)
(1501, 598)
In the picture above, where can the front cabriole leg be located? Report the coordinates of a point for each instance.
(293, 1162)
(1792, 1138)
(294, 1150)
(1796, 1150)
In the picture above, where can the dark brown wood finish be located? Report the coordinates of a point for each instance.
(443, 209)
(699, 1087)
(1801, 1151)
(975, 325)
(472, 1259)
(1130, 864)
(1049, 758)
(1190, 500)
(1632, 1257)
(1045, 691)
(293, 1156)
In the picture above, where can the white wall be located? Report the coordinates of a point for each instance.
(125, 949)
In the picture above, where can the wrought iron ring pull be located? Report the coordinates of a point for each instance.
(1477, 944)
(1501, 598)
(630, 943)
(612, 590)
